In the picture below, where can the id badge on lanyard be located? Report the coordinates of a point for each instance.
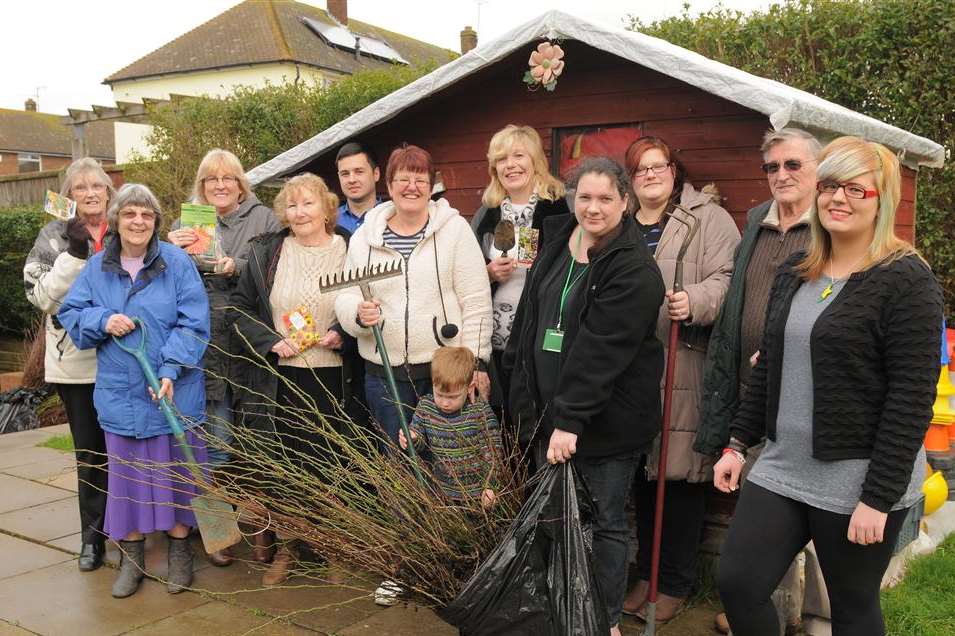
(554, 337)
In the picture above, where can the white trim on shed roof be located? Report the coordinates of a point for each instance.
(784, 105)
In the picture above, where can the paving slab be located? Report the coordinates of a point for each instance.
(305, 601)
(45, 470)
(46, 521)
(401, 620)
(27, 455)
(219, 619)
(26, 439)
(22, 493)
(66, 481)
(61, 600)
(6, 629)
(21, 556)
(71, 542)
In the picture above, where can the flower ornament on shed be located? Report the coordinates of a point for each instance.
(546, 65)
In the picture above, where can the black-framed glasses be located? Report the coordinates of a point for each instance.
(852, 190)
(657, 169)
(226, 180)
(791, 165)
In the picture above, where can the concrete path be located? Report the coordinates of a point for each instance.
(43, 592)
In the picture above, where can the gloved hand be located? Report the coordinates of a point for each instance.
(79, 238)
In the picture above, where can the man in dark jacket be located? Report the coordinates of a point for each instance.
(774, 230)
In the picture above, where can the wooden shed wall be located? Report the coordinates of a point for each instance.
(718, 140)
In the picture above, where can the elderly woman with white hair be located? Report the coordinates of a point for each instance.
(221, 182)
(58, 255)
(139, 276)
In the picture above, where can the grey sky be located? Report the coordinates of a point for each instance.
(63, 50)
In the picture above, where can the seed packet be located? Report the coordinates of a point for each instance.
(59, 206)
(301, 328)
(202, 220)
(527, 238)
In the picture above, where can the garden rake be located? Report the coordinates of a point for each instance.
(361, 277)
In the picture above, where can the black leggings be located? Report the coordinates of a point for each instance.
(768, 531)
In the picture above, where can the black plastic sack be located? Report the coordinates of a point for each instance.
(539, 580)
(18, 408)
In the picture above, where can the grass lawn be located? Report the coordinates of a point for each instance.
(923, 604)
(59, 442)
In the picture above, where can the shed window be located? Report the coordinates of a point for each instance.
(571, 145)
(28, 162)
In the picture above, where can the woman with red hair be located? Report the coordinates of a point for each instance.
(667, 207)
(442, 298)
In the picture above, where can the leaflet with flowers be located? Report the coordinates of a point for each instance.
(301, 328)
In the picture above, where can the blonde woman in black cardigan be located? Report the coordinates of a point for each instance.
(843, 392)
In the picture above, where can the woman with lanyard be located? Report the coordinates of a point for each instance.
(584, 361)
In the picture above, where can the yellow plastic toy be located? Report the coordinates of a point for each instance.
(937, 438)
(936, 492)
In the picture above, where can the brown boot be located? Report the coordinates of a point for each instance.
(221, 558)
(722, 624)
(667, 608)
(278, 573)
(636, 598)
(263, 550)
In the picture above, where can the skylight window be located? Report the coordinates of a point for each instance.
(339, 36)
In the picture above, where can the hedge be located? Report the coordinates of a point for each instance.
(890, 59)
(19, 227)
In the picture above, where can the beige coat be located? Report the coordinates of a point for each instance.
(707, 268)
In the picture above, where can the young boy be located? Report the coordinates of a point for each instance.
(463, 436)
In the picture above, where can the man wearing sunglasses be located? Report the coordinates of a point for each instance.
(774, 229)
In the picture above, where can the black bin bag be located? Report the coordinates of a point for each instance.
(539, 581)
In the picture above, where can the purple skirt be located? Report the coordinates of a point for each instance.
(145, 498)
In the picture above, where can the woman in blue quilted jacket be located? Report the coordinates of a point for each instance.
(138, 276)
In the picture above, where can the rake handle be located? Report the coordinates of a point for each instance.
(393, 387)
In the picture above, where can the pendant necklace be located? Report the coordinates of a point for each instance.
(832, 281)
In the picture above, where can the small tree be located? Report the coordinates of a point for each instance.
(886, 58)
(255, 124)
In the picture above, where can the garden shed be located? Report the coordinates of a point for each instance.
(616, 85)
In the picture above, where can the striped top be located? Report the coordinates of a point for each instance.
(652, 234)
(404, 245)
(465, 447)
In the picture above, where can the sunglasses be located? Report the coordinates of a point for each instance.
(791, 165)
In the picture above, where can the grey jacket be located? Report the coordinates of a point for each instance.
(234, 232)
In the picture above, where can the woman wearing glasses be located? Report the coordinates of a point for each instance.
(668, 207)
(442, 297)
(56, 260)
(843, 391)
(221, 183)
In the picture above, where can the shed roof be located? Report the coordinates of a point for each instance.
(784, 105)
(29, 131)
(269, 31)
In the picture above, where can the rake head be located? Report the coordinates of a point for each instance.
(359, 276)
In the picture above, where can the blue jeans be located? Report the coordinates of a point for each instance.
(381, 404)
(219, 421)
(608, 479)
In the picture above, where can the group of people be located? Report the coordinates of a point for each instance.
(546, 318)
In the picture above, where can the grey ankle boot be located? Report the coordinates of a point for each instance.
(132, 568)
(180, 565)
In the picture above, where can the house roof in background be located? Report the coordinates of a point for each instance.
(270, 31)
(782, 104)
(28, 131)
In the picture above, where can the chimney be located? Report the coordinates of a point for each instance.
(338, 9)
(29, 105)
(468, 39)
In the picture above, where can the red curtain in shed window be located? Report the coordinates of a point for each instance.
(575, 144)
